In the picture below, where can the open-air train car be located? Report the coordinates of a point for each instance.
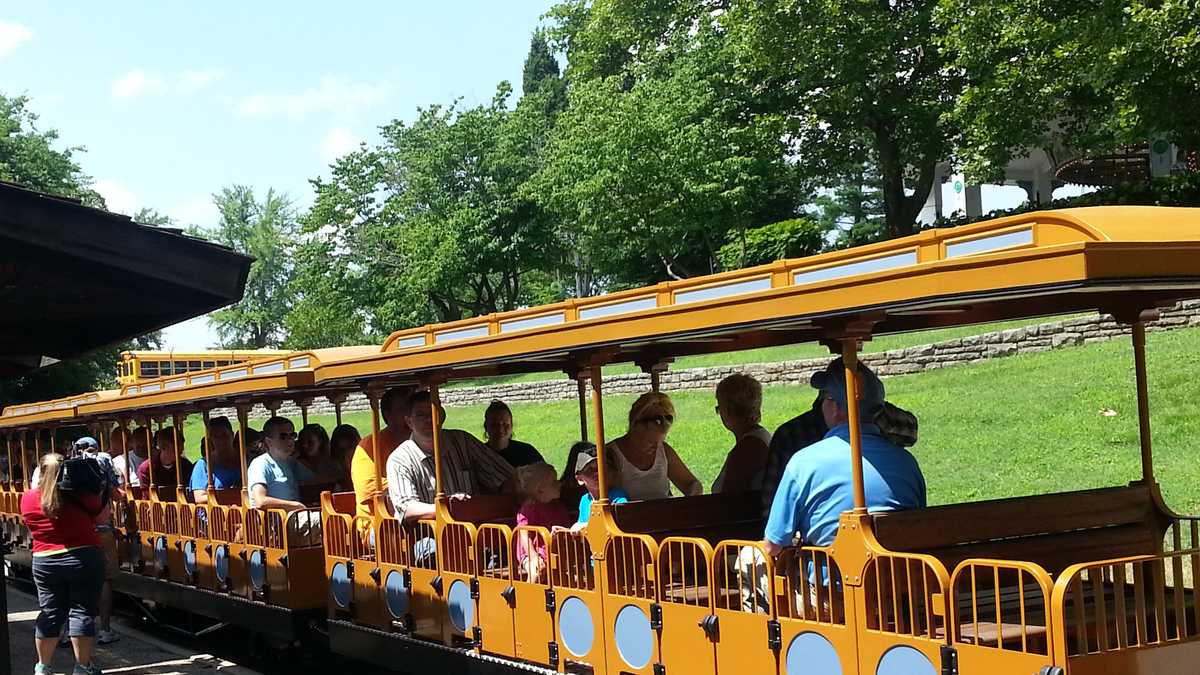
(1082, 582)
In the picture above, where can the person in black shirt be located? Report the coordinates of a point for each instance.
(498, 428)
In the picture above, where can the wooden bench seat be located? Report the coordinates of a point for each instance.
(486, 509)
(710, 517)
(1054, 531)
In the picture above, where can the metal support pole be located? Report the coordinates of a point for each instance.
(208, 454)
(581, 387)
(598, 422)
(243, 415)
(850, 360)
(1143, 399)
(435, 404)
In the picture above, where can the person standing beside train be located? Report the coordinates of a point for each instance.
(61, 512)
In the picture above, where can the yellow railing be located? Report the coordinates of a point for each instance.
(1001, 604)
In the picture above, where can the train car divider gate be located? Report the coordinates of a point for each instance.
(748, 635)
(688, 630)
(632, 613)
(496, 604)
(459, 585)
(576, 603)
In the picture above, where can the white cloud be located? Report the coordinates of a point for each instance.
(195, 211)
(339, 141)
(12, 35)
(136, 82)
(195, 80)
(331, 94)
(119, 198)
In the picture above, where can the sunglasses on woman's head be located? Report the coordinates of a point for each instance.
(660, 420)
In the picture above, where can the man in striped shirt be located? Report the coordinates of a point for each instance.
(468, 466)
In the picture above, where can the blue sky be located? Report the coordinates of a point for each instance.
(174, 100)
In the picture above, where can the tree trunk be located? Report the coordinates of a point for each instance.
(901, 210)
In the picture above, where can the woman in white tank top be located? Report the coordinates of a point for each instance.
(648, 465)
(739, 403)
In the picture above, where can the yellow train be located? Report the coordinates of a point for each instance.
(1096, 581)
(137, 365)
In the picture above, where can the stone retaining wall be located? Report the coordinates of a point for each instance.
(1037, 338)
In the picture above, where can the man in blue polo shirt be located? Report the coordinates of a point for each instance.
(817, 485)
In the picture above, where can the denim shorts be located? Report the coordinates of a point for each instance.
(68, 589)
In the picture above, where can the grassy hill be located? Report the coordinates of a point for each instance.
(1013, 426)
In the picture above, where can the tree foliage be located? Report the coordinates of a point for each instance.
(28, 155)
(265, 230)
(649, 169)
(1084, 74)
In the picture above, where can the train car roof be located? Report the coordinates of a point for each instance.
(279, 376)
(1111, 259)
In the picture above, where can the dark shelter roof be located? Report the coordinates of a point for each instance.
(74, 278)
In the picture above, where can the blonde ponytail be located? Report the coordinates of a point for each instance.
(50, 465)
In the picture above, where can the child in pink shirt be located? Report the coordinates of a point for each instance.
(539, 487)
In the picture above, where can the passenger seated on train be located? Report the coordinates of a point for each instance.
(648, 464)
(131, 460)
(393, 407)
(895, 424)
(312, 450)
(498, 430)
(342, 442)
(538, 487)
(164, 456)
(739, 405)
(274, 477)
(468, 466)
(587, 473)
(816, 487)
(223, 455)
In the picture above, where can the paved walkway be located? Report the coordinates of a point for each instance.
(135, 653)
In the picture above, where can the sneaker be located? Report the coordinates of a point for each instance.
(90, 669)
(41, 669)
(104, 637)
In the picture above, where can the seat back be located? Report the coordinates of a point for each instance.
(1054, 531)
(728, 515)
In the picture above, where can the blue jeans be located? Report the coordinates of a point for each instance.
(68, 588)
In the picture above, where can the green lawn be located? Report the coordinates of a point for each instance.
(1020, 425)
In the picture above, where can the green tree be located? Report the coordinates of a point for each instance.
(431, 224)
(542, 76)
(1085, 74)
(150, 216)
(265, 230)
(650, 169)
(793, 238)
(859, 83)
(28, 155)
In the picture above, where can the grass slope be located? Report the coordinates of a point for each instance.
(1013, 426)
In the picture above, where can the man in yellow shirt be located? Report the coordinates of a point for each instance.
(393, 407)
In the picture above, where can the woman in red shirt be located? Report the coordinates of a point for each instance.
(68, 565)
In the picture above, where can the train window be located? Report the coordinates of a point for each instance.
(149, 369)
(210, 364)
(193, 366)
(181, 367)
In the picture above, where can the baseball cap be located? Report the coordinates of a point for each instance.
(832, 382)
(583, 460)
(87, 443)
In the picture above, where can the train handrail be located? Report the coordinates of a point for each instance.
(1043, 584)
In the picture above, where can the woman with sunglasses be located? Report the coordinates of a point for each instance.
(648, 464)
